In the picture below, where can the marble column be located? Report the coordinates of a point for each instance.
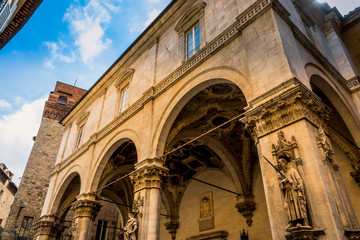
(147, 180)
(85, 210)
(295, 113)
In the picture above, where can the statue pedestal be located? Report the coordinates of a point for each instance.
(303, 233)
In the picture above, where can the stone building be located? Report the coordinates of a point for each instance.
(175, 132)
(13, 16)
(34, 184)
(7, 193)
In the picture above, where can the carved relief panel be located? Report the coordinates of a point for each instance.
(206, 212)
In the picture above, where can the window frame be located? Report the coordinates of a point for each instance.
(124, 97)
(195, 47)
(80, 134)
(123, 86)
(25, 230)
(190, 18)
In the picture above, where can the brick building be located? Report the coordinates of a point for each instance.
(30, 197)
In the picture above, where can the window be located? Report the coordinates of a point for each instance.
(80, 135)
(62, 100)
(25, 228)
(124, 93)
(101, 230)
(192, 41)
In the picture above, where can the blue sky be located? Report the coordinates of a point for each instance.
(65, 41)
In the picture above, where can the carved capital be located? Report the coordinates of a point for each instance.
(49, 226)
(86, 206)
(246, 206)
(292, 105)
(148, 174)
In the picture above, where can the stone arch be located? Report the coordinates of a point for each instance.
(69, 182)
(188, 90)
(338, 97)
(116, 141)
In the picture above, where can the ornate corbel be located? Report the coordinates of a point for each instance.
(172, 226)
(246, 206)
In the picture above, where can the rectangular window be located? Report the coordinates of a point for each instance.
(124, 98)
(25, 228)
(80, 135)
(101, 230)
(193, 41)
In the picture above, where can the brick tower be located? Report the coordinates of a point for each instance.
(30, 196)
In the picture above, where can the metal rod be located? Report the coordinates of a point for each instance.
(227, 190)
(122, 204)
(202, 135)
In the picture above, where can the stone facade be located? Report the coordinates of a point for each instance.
(35, 180)
(7, 194)
(177, 143)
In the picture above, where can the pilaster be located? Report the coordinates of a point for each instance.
(286, 123)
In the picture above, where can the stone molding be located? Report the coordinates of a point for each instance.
(288, 107)
(148, 174)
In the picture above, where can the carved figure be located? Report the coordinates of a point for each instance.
(295, 201)
(130, 228)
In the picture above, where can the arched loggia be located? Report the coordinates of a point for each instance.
(228, 154)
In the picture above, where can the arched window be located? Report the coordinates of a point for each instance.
(62, 100)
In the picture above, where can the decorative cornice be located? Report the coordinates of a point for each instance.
(288, 107)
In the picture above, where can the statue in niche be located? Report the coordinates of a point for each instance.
(295, 201)
(129, 230)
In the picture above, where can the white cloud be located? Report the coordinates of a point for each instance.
(88, 24)
(57, 53)
(4, 104)
(151, 17)
(16, 132)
